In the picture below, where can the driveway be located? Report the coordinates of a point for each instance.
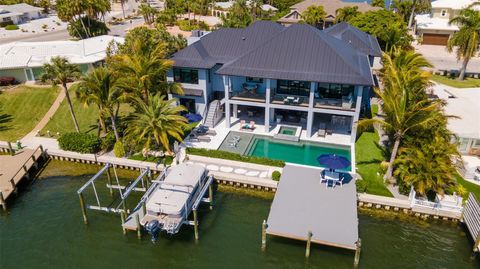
(441, 59)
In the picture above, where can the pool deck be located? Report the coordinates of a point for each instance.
(302, 205)
(222, 132)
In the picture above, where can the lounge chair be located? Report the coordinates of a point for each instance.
(322, 129)
(251, 125)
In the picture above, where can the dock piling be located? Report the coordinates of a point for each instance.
(264, 235)
(2, 201)
(139, 227)
(122, 217)
(356, 262)
(82, 206)
(144, 208)
(109, 179)
(309, 242)
(195, 224)
(210, 195)
(14, 188)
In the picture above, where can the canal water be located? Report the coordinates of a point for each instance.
(44, 229)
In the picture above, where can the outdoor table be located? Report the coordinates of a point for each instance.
(331, 176)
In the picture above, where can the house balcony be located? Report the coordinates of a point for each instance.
(248, 96)
(291, 100)
(344, 103)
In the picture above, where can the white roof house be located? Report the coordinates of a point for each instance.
(437, 22)
(453, 4)
(465, 104)
(35, 54)
(229, 4)
(19, 12)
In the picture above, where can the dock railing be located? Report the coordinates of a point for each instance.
(432, 205)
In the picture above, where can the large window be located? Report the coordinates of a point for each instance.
(293, 87)
(334, 91)
(254, 80)
(184, 75)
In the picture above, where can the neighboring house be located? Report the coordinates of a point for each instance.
(330, 7)
(434, 28)
(24, 60)
(464, 104)
(19, 13)
(222, 8)
(297, 75)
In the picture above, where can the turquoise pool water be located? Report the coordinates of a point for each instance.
(294, 152)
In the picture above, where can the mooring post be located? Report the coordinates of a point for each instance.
(309, 242)
(264, 235)
(122, 217)
(2, 201)
(82, 206)
(356, 262)
(139, 227)
(210, 195)
(10, 149)
(109, 179)
(195, 224)
(14, 188)
(27, 175)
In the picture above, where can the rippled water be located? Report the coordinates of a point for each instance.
(44, 229)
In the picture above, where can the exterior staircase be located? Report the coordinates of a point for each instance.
(212, 116)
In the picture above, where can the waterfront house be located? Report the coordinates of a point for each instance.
(220, 9)
(24, 60)
(434, 28)
(18, 13)
(330, 7)
(464, 104)
(274, 75)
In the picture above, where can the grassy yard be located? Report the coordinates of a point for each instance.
(86, 116)
(469, 186)
(22, 108)
(453, 82)
(368, 156)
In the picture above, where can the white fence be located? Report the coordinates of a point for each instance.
(456, 207)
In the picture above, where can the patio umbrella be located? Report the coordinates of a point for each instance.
(191, 117)
(333, 161)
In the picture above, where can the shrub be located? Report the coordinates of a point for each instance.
(234, 157)
(276, 175)
(361, 186)
(186, 25)
(108, 141)
(80, 142)
(11, 27)
(119, 149)
(167, 160)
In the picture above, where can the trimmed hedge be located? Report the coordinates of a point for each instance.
(220, 154)
(80, 142)
(276, 175)
(167, 160)
(119, 149)
(11, 27)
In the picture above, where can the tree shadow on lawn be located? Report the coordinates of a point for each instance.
(4, 119)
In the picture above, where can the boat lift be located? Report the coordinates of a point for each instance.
(132, 222)
(123, 191)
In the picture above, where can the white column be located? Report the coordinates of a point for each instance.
(227, 114)
(235, 110)
(226, 87)
(272, 114)
(267, 91)
(358, 105)
(267, 119)
(310, 111)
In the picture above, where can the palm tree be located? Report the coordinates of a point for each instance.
(416, 5)
(346, 13)
(102, 88)
(144, 71)
(60, 71)
(147, 12)
(428, 167)
(156, 120)
(467, 39)
(404, 82)
(315, 16)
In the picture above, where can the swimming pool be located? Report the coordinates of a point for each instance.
(302, 152)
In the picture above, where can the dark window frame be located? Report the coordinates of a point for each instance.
(293, 87)
(185, 75)
(334, 91)
(254, 80)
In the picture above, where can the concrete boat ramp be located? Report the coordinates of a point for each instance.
(304, 209)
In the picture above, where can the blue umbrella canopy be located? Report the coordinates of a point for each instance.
(333, 161)
(191, 117)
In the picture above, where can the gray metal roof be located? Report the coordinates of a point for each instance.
(225, 44)
(302, 204)
(362, 41)
(302, 52)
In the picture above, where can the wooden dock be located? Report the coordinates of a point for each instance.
(14, 168)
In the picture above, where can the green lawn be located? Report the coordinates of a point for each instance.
(374, 110)
(453, 82)
(469, 186)
(86, 116)
(22, 108)
(368, 156)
